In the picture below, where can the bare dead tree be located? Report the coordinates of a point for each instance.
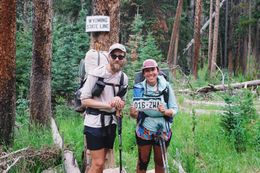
(170, 57)
(215, 40)
(197, 38)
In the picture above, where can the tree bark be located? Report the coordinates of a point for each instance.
(226, 35)
(197, 38)
(230, 39)
(210, 35)
(215, 40)
(249, 67)
(257, 48)
(40, 84)
(25, 14)
(103, 40)
(176, 52)
(188, 46)
(230, 62)
(175, 31)
(7, 70)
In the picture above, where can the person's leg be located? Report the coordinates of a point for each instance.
(158, 160)
(144, 153)
(96, 146)
(98, 160)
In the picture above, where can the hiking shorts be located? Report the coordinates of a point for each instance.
(96, 142)
(142, 139)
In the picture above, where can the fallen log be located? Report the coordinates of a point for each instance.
(70, 163)
(213, 88)
(113, 170)
(56, 135)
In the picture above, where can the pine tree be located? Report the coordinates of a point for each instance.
(150, 49)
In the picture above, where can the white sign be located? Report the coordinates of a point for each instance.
(97, 23)
(146, 103)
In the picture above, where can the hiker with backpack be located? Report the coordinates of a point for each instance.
(103, 96)
(154, 118)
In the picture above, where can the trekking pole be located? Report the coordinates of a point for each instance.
(162, 151)
(162, 147)
(165, 155)
(119, 124)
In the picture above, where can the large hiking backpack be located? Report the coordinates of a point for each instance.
(92, 60)
(139, 92)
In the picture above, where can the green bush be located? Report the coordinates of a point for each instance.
(23, 62)
(239, 112)
(69, 47)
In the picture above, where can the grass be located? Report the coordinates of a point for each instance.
(70, 125)
(209, 148)
(36, 139)
(205, 150)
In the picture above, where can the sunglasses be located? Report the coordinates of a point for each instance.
(114, 56)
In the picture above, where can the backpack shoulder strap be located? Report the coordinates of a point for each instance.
(98, 60)
(121, 83)
(165, 93)
(105, 56)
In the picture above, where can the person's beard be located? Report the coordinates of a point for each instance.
(116, 67)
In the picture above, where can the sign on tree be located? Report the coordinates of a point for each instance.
(97, 23)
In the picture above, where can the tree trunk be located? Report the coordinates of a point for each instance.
(221, 57)
(25, 14)
(197, 38)
(7, 70)
(215, 40)
(210, 35)
(191, 11)
(175, 31)
(40, 84)
(244, 57)
(249, 67)
(103, 40)
(257, 48)
(230, 62)
(237, 57)
(176, 52)
(229, 44)
(188, 46)
(226, 35)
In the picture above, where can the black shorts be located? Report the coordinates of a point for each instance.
(96, 142)
(142, 142)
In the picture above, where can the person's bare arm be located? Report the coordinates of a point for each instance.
(133, 112)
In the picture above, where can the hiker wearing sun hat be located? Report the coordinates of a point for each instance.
(153, 118)
(149, 63)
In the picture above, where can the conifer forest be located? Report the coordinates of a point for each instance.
(210, 50)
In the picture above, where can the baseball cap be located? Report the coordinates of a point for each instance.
(149, 63)
(117, 46)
